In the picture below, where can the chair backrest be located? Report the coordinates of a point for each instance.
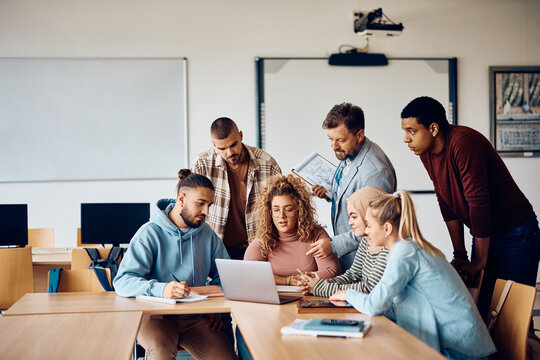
(512, 326)
(41, 237)
(84, 245)
(474, 289)
(83, 280)
(81, 260)
(16, 275)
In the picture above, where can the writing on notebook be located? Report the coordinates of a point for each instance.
(190, 298)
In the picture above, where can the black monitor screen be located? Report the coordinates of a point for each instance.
(13, 224)
(114, 223)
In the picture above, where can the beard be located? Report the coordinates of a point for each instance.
(341, 155)
(234, 160)
(190, 219)
(344, 154)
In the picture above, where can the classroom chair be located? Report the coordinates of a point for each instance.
(16, 275)
(82, 280)
(84, 245)
(81, 260)
(511, 327)
(41, 238)
(474, 289)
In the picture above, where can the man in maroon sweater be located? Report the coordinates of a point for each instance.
(474, 187)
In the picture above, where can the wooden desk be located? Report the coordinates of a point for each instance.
(262, 334)
(65, 303)
(42, 263)
(75, 336)
(260, 324)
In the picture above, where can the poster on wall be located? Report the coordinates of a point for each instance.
(515, 110)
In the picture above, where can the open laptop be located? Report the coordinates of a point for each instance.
(250, 281)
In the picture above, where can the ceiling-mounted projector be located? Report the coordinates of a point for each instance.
(368, 24)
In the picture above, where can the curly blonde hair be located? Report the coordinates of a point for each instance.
(295, 188)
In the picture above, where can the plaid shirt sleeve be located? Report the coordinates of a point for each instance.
(208, 164)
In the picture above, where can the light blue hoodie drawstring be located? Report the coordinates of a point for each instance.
(180, 246)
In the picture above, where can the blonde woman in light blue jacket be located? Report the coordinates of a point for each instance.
(419, 289)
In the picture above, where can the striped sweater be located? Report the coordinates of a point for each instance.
(364, 273)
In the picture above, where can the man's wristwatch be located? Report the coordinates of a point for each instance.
(460, 254)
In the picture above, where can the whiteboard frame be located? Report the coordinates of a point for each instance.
(184, 61)
(260, 95)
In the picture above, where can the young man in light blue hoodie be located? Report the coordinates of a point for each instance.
(175, 250)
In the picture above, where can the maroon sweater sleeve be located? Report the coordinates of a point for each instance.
(472, 168)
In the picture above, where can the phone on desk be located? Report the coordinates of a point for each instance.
(342, 322)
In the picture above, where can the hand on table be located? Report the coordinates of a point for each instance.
(295, 280)
(338, 296)
(308, 281)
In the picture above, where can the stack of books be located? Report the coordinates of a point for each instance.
(328, 328)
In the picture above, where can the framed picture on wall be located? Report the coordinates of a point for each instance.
(515, 109)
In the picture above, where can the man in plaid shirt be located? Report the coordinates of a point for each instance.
(237, 171)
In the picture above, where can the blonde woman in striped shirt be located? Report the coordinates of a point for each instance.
(370, 261)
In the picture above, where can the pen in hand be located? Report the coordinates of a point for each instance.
(185, 288)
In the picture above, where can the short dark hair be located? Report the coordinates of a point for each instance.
(345, 113)
(426, 110)
(222, 127)
(187, 179)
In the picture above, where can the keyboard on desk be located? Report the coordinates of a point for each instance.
(47, 251)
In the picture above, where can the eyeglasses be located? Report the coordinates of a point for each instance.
(286, 212)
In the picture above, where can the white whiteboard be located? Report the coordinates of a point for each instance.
(91, 118)
(298, 93)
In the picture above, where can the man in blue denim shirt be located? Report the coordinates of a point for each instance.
(363, 163)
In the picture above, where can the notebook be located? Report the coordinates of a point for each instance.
(250, 281)
(192, 297)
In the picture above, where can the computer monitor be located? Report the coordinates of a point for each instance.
(13, 225)
(112, 223)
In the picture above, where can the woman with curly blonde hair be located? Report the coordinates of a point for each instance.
(286, 226)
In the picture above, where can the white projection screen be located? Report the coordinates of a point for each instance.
(67, 119)
(295, 94)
